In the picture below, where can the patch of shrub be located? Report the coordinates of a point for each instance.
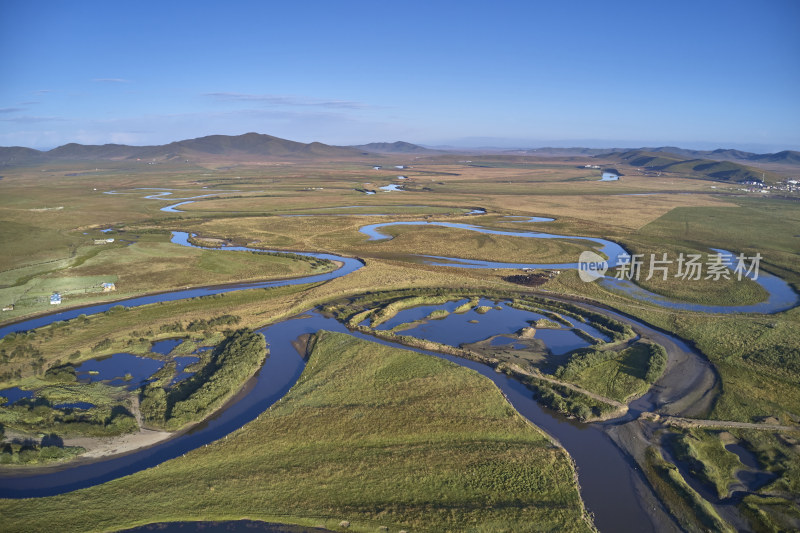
(231, 363)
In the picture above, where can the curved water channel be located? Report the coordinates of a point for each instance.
(349, 265)
(611, 484)
(781, 296)
(166, 194)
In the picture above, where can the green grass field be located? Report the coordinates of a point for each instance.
(373, 435)
(149, 264)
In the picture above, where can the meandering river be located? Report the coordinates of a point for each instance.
(611, 485)
(781, 296)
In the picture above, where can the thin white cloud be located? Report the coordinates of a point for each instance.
(27, 119)
(306, 124)
(285, 100)
(4, 110)
(110, 80)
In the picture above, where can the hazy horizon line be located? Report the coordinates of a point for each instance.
(501, 143)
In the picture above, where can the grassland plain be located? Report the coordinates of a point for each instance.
(756, 356)
(768, 227)
(342, 235)
(347, 229)
(370, 434)
(146, 263)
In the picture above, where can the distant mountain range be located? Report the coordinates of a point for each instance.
(787, 157)
(247, 147)
(250, 147)
(399, 147)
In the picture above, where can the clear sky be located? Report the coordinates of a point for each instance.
(701, 73)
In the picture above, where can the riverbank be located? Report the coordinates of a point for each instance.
(101, 448)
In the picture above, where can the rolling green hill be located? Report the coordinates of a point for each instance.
(654, 160)
(254, 144)
(787, 157)
(18, 155)
(701, 168)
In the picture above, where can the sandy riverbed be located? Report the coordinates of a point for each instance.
(97, 447)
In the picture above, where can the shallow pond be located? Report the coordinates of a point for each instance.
(754, 477)
(279, 372)
(166, 346)
(120, 369)
(609, 176)
(472, 326)
(74, 405)
(14, 394)
(180, 367)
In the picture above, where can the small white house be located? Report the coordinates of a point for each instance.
(55, 299)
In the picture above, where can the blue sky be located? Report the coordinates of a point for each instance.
(699, 74)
